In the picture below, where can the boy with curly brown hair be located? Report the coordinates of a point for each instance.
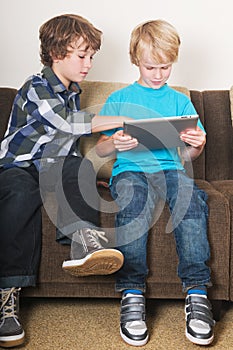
(39, 154)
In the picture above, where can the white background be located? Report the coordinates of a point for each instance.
(205, 28)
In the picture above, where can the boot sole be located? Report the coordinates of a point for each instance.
(102, 262)
(12, 341)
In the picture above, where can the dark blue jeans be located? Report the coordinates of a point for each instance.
(20, 214)
(138, 195)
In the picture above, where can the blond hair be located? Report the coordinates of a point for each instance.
(58, 33)
(157, 37)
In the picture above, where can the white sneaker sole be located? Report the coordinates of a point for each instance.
(134, 342)
(12, 341)
(101, 262)
(199, 341)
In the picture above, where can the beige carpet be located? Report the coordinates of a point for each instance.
(91, 324)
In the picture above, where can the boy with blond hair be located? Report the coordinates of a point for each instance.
(39, 154)
(142, 177)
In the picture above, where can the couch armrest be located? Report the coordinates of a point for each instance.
(7, 96)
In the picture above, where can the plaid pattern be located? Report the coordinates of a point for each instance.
(45, 122)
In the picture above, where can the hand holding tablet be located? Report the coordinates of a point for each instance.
(157, 133)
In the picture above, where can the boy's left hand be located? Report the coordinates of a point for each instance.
(194, 137)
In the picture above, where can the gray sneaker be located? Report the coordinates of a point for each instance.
(11, 331)
(89, 257)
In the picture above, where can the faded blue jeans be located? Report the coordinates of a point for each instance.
(137, 195)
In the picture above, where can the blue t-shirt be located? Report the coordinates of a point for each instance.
(139, 102)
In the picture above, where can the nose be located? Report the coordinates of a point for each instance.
(157, 73)
(88, 62)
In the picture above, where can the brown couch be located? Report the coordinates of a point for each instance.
(212, 172)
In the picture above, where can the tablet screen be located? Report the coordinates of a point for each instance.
(155, 133)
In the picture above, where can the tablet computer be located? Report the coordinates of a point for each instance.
(155, 133)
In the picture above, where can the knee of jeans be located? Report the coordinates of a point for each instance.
(20, 190)
(132, 203)
(21, 196)
(196, 205)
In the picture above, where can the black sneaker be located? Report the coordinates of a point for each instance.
(11, 331)
(89, 257)
(199, 319)
(133, 327)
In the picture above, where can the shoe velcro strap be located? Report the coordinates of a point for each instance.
(193, 299)
(133, 316)
(133, 308)
(199, 308)
(133, 300)
(202, 317)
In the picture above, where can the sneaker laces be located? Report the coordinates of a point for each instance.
(94, 236)
(9, 305)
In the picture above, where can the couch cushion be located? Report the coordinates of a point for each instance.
(95, 93)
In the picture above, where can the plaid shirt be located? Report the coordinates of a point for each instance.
(45, 122)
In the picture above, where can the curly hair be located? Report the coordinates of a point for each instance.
(58, 33)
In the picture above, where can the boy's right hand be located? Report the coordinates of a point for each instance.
(123, 142)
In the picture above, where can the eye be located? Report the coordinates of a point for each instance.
(166, 67)
(82, 57)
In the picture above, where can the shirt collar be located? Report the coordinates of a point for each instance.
(56, 84)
